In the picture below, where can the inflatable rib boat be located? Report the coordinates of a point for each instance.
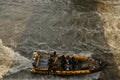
(58, 64)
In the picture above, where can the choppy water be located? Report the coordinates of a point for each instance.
(67, 26)
(20, 66)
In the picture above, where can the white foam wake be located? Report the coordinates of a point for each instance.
(10, 61)
(19, 63)
(6, 56)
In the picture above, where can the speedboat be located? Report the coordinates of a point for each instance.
(58, 64)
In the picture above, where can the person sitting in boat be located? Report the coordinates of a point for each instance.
(73, 63)
(54, 54)
(55, 63)
(67, 63)
(63, 62)
(50, 64)
(55, 58)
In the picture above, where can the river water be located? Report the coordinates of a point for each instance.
(67, 26)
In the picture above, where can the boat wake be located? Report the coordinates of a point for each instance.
(19, 63)
(11, 62)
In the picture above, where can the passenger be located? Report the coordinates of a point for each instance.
(55, 58)
(67, 64)
(54, 53)
(73, 62)
(67, 59)
(63, 62)
(50, 64)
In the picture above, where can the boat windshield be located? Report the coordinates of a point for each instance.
(43, 63)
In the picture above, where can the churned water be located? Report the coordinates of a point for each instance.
(75, 27)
